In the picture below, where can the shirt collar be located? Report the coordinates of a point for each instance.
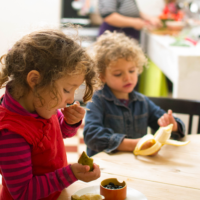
(12, 105)
(108, 95)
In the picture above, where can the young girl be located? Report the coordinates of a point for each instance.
(42, 71)
(119, 116)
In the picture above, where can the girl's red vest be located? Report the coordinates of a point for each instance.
(45, 137)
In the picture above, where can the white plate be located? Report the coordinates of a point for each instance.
(131, 193)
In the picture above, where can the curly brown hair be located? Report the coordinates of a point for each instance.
(53, 54)
(112, 46)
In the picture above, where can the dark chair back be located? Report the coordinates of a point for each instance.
(182, 106)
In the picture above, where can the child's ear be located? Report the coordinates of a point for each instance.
(102, 77)
(33, 78)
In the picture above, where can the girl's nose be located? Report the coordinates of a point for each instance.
(70, 100)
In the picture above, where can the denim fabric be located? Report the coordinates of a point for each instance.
(109, 121)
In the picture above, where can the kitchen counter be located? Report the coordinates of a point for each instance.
(180, 64)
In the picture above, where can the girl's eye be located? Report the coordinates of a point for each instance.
(117, 75)
(65, 91)
(132, 71)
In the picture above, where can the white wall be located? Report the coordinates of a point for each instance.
(17, 17)
(151, 7)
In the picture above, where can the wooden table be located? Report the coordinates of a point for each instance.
(174, 174)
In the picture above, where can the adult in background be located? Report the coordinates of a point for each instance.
(124, 16)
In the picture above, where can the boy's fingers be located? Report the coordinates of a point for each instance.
(169, 112)
(172, 120)
(166, 118)
(160, 122)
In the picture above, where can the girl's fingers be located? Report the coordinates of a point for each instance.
(75, 109)
(74, 113)
(74, 117)
(77, 103)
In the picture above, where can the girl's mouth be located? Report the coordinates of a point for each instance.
(127, 85)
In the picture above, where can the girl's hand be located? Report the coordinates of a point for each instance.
(73, 114)
(147, 145)
(167, 119)
(81, 172)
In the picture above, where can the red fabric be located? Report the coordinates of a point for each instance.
(48, 151)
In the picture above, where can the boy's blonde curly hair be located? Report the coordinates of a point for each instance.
(112, 46)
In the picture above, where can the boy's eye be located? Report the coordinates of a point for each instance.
(65, 91)
(117, 75)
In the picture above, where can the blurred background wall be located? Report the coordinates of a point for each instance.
(151, 7)
(19, 16)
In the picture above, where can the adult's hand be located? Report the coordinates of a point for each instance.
(139, 23)
(155, 21)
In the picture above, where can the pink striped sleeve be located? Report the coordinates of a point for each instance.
(67, 130)
(16, 167)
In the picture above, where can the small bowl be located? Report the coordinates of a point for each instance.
(175, 25)
(111, 194)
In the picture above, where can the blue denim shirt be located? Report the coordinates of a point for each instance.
(109, 121)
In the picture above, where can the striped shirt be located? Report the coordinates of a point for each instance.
(127, 8)
(16, 164)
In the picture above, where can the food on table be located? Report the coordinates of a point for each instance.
(160, 138)
(88, 196)
(175, 25)
(85, 160)
(113, 186)
(112, 189)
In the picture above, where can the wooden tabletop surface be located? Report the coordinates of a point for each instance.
(174, 174)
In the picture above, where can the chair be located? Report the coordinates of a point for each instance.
(181, 106)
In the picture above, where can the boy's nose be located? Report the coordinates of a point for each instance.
(126, 76)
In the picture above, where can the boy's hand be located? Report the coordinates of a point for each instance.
(73, 114)
(81, 172)
(147, 145)
(167, 119)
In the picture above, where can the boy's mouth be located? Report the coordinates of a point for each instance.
(127, 85)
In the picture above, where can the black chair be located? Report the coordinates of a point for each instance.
(181, 106)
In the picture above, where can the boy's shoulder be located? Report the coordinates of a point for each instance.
(98, 93)
(104, 93)
(138, 96)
